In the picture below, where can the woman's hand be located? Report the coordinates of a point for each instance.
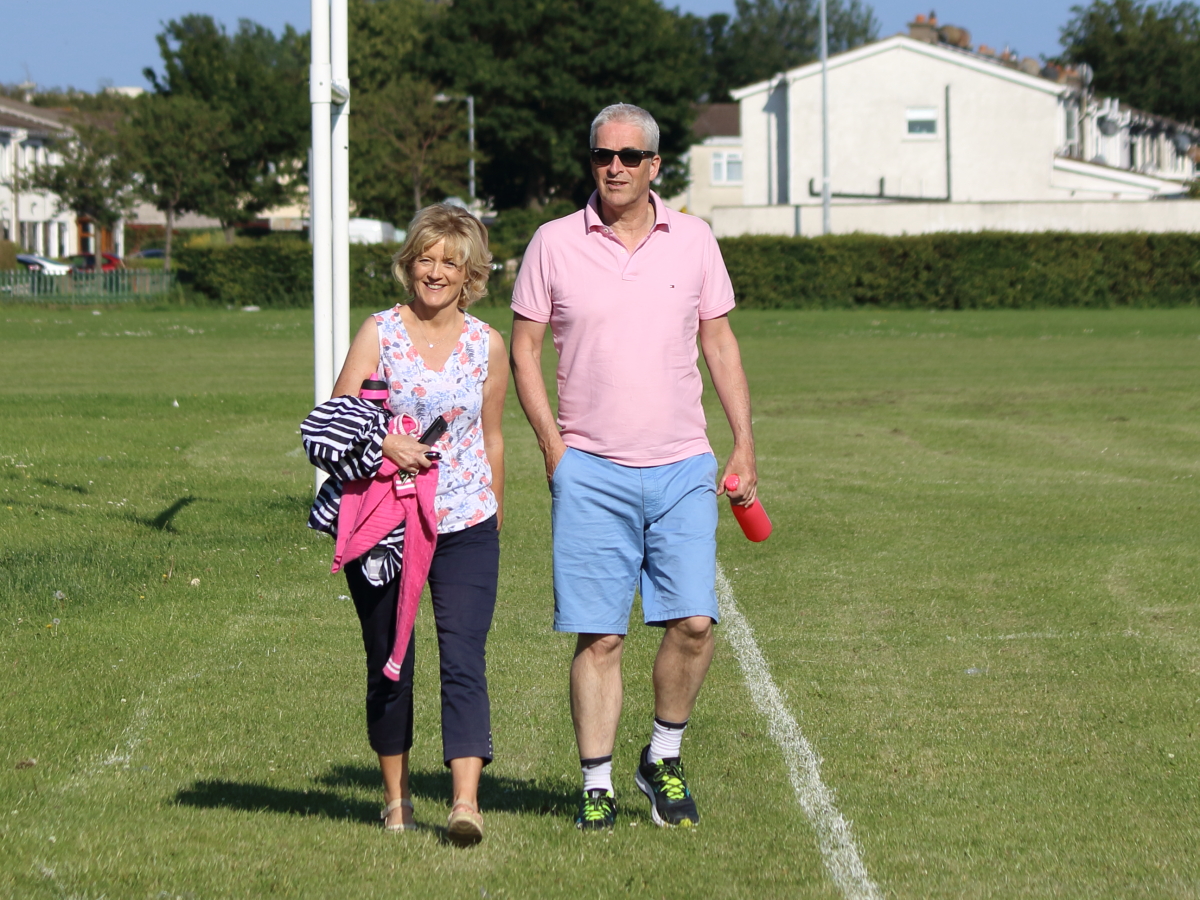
(406, 452)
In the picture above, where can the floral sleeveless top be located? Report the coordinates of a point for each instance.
(464, 492)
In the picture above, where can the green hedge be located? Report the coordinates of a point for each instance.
(279, 273)
(987, 270)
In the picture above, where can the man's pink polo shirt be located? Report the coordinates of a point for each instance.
(625, 327)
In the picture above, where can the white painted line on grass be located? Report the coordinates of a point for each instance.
(804, 765)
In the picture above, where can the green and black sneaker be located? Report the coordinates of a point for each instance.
(671, 802)
(597, 811)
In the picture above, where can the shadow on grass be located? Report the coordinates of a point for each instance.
(264, 798)
(498, 792)
(162, 522)
(52, 483)
(326, 800)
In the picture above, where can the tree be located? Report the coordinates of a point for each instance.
(176, 145)
(260, 83)
(541, 69)
(407, 145)
(771, 36)
(92, 179)
(1148, 54)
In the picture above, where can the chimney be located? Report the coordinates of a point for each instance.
(921, 29)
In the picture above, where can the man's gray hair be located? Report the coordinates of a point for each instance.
(629, 114)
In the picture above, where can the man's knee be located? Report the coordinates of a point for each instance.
(600, 648)
(694, 630)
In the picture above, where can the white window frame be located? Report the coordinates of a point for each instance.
(718, 171)
(922, 114)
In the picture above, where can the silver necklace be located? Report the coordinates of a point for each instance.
(425, 334)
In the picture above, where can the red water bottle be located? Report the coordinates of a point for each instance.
(753, 518)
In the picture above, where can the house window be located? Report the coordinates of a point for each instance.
(922, 121)
(726, 168)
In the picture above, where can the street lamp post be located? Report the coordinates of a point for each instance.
(470, 100)
(826, 190)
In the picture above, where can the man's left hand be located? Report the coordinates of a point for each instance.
(742, 464)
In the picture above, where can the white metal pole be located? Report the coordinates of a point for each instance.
(471, 146)
(826, 190)
(319, 207)
(340, 132)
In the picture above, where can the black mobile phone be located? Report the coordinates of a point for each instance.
(433, 432)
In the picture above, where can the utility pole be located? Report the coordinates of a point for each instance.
(329, 195)
(826, 189)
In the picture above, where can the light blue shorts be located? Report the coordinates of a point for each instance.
(617, 528)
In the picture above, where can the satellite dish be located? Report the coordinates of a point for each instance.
(1183, 142)
(1107, 126)
(1086, 74)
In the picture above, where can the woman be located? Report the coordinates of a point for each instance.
(438, 360)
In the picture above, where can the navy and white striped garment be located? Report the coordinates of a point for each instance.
(343, 437)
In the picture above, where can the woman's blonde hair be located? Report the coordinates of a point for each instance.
(466, 243)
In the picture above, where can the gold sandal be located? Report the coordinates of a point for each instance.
(465, 825)
(402, 803)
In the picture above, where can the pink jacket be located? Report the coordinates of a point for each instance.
(370, 510)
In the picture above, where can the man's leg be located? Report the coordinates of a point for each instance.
(596, 692)
(679, 669)
(678, 593)
(596, 696)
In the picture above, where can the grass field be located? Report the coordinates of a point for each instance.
(980, 605)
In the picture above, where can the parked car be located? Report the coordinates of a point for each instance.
(86, 262)
(41, 264)
(153, 253)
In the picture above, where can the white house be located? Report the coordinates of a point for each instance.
(31, 218)
(928, 135)
(714, 164)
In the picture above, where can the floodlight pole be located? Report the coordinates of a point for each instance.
(320, 201)
(826, 190)
(329, 195)
(339, 57)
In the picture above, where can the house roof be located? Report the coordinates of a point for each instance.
(717, 120)
(16, 115)
(903, 43)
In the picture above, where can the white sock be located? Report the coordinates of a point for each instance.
(666, 740)
(597, 773)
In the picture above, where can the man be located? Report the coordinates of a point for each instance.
(626, 285)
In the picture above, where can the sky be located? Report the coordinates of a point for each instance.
(76, 43)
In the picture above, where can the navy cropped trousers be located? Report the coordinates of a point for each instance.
(462, 584)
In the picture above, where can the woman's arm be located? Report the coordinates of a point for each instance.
(495, 386)
(361, 361)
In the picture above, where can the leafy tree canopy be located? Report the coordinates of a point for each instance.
(1147, 54)
(260, 83)
(409, 149)
(174, 144)
(771, 36)
(93, 178)
(541, 69)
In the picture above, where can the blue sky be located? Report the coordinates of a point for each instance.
(84, 44)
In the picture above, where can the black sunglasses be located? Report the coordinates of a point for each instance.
(630, 159)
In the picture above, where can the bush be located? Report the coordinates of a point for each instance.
(987, 270)
(513, 229)
(279, 273)
(8, 255)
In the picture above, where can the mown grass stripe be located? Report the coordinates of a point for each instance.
(838, 850)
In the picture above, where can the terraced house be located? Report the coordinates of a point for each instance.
(28, 217)
(930, 133)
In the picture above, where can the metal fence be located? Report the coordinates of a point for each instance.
(121, 286)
